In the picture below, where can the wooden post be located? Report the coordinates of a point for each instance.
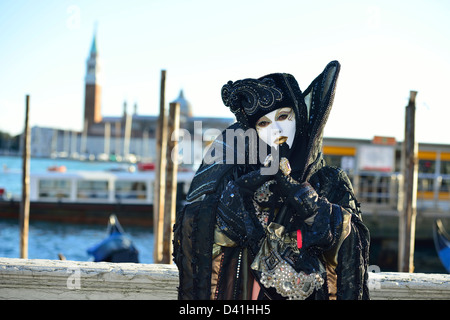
(127, 136)
(25, 203)
(407, 218)
(118, 129)
(83, 144)
(173, 127)
(107, 143)
(160, 178)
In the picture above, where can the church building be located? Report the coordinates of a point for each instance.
(129, 137)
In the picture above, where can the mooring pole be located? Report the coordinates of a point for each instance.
(160, 176)
(407, 218)
(170, 204)
(24, 216)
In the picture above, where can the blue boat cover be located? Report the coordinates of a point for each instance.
(117, 247)
(442, 243)
(444, 255)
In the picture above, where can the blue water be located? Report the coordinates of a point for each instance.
(48, 239)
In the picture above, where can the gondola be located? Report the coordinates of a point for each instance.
(116, 247)
(442, 243)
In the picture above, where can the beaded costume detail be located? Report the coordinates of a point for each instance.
(289, 283)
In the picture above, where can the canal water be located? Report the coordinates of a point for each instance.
(47, 239)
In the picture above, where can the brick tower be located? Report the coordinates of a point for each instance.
(92, 100)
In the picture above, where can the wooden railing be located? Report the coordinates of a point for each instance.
(73, 280)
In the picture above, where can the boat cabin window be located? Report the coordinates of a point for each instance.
(92, 189)
(53, 188)
(131, 190)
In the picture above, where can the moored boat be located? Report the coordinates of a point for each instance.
(442, 243)
(116, 247)
(91, 196)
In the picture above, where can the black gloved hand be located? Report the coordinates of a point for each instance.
(261, 188)
(251, 181)
(301, 196)
(286, 184)
(236, 222)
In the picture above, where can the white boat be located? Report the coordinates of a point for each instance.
(92, 196)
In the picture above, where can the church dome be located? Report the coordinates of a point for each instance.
(185, 106)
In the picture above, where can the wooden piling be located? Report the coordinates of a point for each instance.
(83, 144)
(107, 142)
(170, 204)
(117, 129)
(127, 136)
(160, 177)
(407, 217)
(24, 216)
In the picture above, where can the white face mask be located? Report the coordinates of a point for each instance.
(277, 127)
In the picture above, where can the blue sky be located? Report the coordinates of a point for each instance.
(386, 49)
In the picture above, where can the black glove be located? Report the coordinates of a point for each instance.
(301, 196)
(261, 188)
(251, 181)
(236, 222)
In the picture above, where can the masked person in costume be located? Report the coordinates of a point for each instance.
(293, 233)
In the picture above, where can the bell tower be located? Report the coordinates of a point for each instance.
(93, 90)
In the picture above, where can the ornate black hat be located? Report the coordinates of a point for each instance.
(250, 99)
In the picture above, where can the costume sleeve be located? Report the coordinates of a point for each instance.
(235, 225)
(338, 228)
(353, 261)
(327, 225)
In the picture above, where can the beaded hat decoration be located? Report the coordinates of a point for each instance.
(250, 99)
